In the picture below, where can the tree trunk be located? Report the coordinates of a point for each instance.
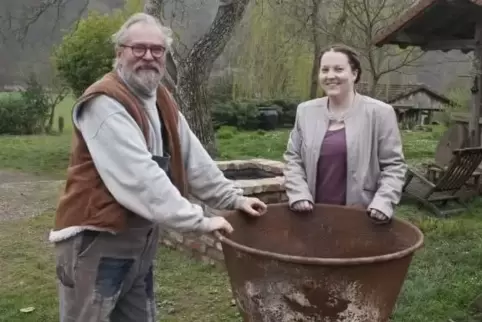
(191, 93)
(373, 86)
(315, 21)
(193, 70)
(50, 123)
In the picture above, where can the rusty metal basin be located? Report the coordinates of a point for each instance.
(330, 265)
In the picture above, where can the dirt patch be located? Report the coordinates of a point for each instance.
(7, 176)
(25, 195)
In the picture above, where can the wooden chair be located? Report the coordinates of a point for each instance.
(455, 137)
(448, 186)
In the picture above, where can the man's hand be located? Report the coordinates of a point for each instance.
(302, 206)
(252, 206)
(378, 216)
(219, 223)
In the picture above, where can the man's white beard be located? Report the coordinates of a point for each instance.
(143, 81)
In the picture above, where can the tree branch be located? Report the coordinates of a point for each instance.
(32, 15)
(213, 42)
(405, 62)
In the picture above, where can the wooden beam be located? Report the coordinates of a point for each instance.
(404, 40)
(445, 45)
(401, 38)
(463, 118)
(410, 38)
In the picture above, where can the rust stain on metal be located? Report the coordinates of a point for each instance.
(332, 265)
(275, 302)
(284, 301)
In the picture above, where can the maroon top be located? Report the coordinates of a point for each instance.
(331, 172)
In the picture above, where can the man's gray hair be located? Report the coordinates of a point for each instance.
(121, 35)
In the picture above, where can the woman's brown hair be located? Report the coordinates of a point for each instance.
(350, 53)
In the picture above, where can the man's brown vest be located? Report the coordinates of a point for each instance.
(86, 201)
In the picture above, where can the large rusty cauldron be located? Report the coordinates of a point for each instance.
(331, 265)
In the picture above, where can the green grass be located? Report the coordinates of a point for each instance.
(5, 95)
(186, 289)
(445, 275)
(50, 154)
(443, 280)
(39, 154)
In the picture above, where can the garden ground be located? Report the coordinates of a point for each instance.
(443, 280)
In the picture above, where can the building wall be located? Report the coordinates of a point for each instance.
(423, 108)
(421, 100)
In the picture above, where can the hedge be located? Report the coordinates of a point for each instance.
(24, 112)
(247, 114)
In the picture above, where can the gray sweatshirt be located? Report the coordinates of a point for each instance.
(125, 164)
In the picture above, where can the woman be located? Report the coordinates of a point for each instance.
(345, 148)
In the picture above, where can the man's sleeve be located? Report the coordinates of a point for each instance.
(121, 157)
(206, 181)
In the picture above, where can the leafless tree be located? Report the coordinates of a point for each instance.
(355, 23)
(364, 19)
(18, 19)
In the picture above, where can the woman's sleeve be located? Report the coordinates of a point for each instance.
(294, 171)
(391, 161)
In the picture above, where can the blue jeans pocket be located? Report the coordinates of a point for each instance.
(111, 274)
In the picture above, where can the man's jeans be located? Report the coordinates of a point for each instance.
(104, 277)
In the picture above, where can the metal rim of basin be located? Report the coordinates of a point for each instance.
(330, 261)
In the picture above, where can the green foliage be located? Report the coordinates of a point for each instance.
(461, 102)
(12, 114)
(246, 114)
(288, 110)
(243, 115)
(26, 112)
(460, 98)
(275, 62)
(87, 53)
(220, 88)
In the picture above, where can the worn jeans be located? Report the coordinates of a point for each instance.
(106, 278)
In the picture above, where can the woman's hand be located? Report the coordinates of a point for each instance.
(378, 216)
(302, 206)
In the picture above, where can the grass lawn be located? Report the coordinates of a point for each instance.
(443, 280)
(186, 289)
(50, 154)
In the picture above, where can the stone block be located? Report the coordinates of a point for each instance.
(196, 245)
(175, 236)
(215, 254)
(167, 242)
(206, 259)
(269, 197)
(208, 240)
(283, 197)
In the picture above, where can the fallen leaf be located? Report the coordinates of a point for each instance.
(27, 309)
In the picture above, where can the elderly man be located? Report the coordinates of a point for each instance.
(133, 161)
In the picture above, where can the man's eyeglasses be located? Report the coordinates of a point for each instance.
(157, 51)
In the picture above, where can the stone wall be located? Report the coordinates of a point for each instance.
(270, 190)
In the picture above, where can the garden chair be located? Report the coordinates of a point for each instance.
(450, 185)
(456, 137)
